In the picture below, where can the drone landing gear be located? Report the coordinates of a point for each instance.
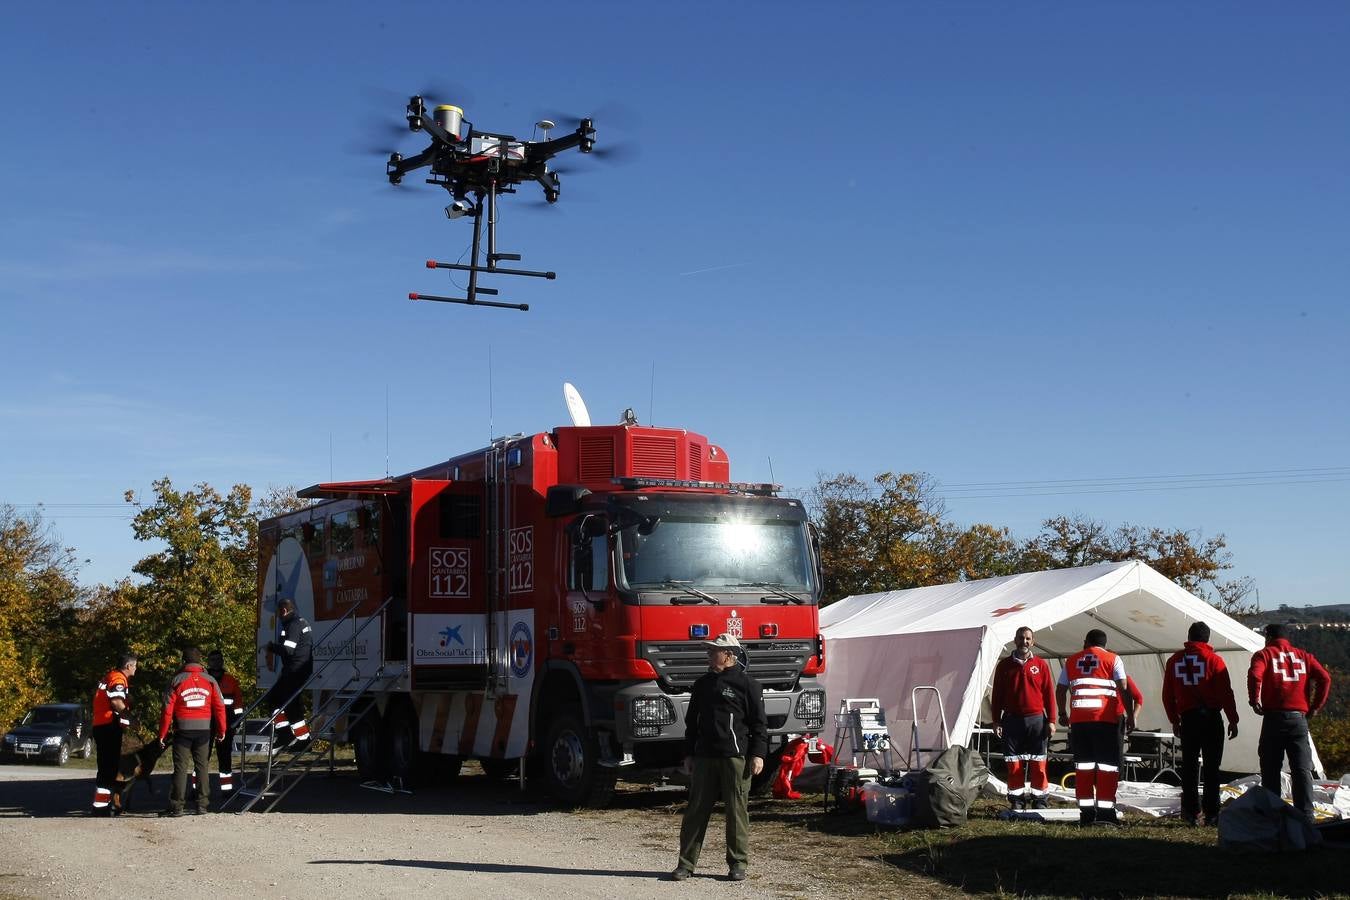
(493, 257)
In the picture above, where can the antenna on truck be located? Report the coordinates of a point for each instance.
(576, 407)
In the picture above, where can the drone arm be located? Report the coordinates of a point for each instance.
(398, 169)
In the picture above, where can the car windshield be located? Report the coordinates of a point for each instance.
(46, 715)
(701, 549)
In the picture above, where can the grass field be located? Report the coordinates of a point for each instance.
(1147, 857)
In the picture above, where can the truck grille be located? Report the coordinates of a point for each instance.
(774, 664)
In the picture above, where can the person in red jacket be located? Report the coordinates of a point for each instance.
(1023, 704)
(1090, 691)
(1286, 685)
(234, 708)
(1196, 688)
(195, 709)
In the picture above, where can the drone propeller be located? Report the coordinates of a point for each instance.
(607, 114)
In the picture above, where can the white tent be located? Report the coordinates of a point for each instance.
(951, 636)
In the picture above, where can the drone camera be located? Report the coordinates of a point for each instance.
(458, 209)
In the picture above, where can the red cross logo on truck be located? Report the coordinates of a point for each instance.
(1287, 672)
(1190, 669)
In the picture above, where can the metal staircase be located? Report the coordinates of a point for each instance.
(284, 767)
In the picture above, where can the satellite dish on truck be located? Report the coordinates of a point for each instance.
(576, 407)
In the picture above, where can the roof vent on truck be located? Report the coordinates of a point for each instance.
(740, 487)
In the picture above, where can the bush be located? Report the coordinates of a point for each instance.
(1332, 737)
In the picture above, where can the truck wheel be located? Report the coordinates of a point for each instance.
(365, 738)
(572, 767)
(400, 746)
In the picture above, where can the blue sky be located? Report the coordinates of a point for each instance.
(994, 242)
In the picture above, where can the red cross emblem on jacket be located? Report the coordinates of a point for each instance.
(1281, 664)
(1190, 669)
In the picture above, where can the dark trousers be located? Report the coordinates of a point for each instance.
(714, 778)
(108, 744)
(191, 750)
(1201, 737)
(287, 683)
(1285, 733)
(225, 753)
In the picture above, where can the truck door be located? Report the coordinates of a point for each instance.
(587, 588)
(447, 587)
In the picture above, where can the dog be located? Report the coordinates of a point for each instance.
(136, 763)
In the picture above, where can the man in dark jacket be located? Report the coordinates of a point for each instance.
(296, 649)
(726, 739)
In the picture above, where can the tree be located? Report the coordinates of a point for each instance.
(892, 534)
(1185, 556)
(38, 600)
(199, 586)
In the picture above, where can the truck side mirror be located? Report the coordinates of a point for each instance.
(564, 500)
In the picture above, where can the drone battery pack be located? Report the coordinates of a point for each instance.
(494, 148)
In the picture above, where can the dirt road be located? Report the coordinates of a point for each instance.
(332, 838)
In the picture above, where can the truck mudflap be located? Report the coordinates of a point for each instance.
(644, 713)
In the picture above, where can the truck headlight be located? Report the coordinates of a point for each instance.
(51, 741)
(653, 711)
(811, 705)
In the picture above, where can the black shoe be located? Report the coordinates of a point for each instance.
(1107, 817)
(170, 813)
(680, 874)
(1086, 815)
(736, 873)
(199, 811)
(1040, 803)
(101, 813)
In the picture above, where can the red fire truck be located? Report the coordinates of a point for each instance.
(543, 601)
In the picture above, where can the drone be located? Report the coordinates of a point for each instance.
(475, 167)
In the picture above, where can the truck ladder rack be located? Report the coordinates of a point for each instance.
(277, 778)
(331, 710)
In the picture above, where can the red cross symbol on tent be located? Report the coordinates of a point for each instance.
(1190, 669)
(1009, 609)
(1289, 672)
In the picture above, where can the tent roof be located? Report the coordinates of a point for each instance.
(1141, 611)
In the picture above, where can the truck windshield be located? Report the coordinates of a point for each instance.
(697, 551)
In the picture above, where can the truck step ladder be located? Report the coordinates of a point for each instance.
(914, 760)
(286, 766)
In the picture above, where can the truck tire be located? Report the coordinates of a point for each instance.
(365, 738)
(572, 767)
(400, 746)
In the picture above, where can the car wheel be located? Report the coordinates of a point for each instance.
(63, 754)
(87, 748)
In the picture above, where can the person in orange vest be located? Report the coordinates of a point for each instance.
(1286, 685)
(1090, 692)
(1196, 688)
(1023, 703)
(194, 708)
(112, 715)
(233, 698)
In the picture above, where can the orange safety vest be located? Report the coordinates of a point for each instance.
(114, 684)
(1093, 695)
